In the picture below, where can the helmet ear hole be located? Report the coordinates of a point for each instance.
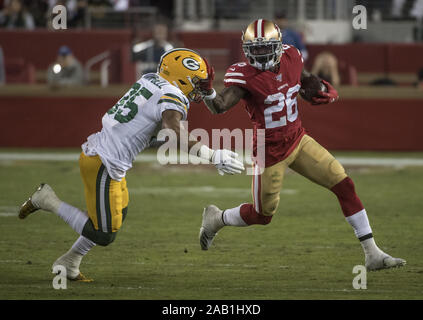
(182, 82)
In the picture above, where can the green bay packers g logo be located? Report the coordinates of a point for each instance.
(191, 64)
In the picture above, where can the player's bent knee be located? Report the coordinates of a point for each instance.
(344, 187)
(105, 238)
(337, 173)
(97, 236)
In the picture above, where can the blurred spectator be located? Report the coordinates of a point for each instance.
(39, 11)
(2, 69)
(417, 9)
(147, 54)
(66, 70)
(289, 35)
(396, 8)
(77, 14)
(325, 66)
(75, 10)
(15, 15)
(100, 3)
(120, 5)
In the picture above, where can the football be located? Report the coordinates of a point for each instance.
(310, 86)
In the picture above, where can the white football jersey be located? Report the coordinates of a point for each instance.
(129, 126)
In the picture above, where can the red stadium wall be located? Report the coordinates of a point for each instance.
(39, 48)
(366, 124)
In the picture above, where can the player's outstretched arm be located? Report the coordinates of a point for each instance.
(224, 160)
(223, 101)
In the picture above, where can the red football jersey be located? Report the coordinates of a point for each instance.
(272, 103)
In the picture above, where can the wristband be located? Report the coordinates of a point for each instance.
(211, 96)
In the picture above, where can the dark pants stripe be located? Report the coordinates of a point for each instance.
(107, 206)
(97, 195)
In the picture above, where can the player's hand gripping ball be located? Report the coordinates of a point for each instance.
(317, 91)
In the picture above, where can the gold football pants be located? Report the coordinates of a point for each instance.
(107, 199)
(309, 159)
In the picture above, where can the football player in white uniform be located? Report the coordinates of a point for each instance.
(156, 100)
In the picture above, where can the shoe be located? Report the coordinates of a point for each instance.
(211, 224)
(43, 198)
(71, 262)
(383, 261)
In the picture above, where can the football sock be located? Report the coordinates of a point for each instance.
(82, 245)
(360, 223)
(72, 216)
(232, 217)
(348, 199)
(356, 215)
(251, 216)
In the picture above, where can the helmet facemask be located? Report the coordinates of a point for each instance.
(263, 55)
(196, 95)
(262, 44)
(185, 69)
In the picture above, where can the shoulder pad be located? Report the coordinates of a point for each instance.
(292, 51)
(175, 92)
(238, 73)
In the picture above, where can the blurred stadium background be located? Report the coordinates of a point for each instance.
(49, 103)
(380, 68)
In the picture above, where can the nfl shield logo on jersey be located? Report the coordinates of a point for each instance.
(279, 77)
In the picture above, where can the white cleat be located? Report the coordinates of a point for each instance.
(383, 261)
(71, 261)
(43, 198)
(211, 224)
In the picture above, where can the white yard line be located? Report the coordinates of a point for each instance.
(210, 190)
(151, 158)
(8, 214)
(8, 211)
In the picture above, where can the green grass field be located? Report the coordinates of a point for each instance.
(307, 252)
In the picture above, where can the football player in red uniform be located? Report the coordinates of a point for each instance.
(269, 84)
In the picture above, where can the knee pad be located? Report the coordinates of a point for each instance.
(97, 236)
(105, 238)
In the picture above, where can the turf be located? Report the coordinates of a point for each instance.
(307, 252)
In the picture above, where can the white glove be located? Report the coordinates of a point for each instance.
(224, 160)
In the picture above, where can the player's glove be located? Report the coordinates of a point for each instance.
(326, 97)
(224, 160)
(206, 85)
